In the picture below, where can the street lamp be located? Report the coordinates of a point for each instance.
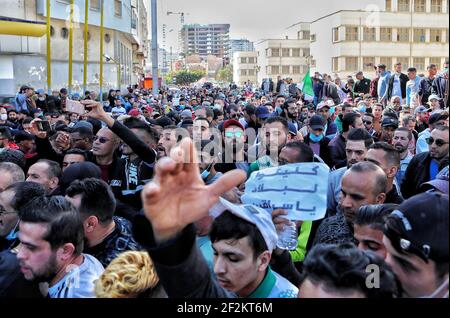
(110, 59)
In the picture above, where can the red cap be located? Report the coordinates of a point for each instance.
(148, 108)
(134, 113)
(232, 122)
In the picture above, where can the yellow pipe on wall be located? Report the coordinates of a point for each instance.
(49, 51)
(86, 30)
(71, 45)
(22, 28)
(102, 31)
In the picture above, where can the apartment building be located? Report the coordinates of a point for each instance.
(413, 32)
(245, 67)
(204, 40)
(125, 40)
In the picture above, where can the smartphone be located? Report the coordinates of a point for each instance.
(43, 125)
(76, 107)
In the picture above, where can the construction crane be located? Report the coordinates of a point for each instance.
(181, 14)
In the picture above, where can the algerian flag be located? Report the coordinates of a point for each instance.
(307, 87)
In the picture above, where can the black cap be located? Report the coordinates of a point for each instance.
(317, 122)
(389, 122)
(434, 118)
(420, 226)
(63, 91)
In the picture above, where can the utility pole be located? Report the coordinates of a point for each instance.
(155, 47)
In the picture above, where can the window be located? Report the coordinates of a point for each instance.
(313, 38)
(335, 34)
(251, 60)
(251, 72)
(243, 60)
(95, 4)
(351, 33)
(368, 63)
(275, 52)
(419, 5)
(386, 34)
(285, 52)
(304, 35)
(243, 72)
(64, 33)
(388, 5)
(402, 35)
(275, 70)
(335, 63)
(404, 61)
(419, 63)
(107, 38)
(386, 61)
(403, 5)
(286, 69)
(52, 31)
(351, 63)
(436, 61)
(296, 69)
(296, 52)
(369, 34)
(306, 52)
(118, 8)
(419, 35)
(435, 35)
(436, 6)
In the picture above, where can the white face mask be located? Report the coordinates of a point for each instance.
(41, 99)
(4, 117)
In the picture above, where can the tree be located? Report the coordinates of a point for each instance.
(184, 77)
(225, 74)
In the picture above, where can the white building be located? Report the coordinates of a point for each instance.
(413, 32)
(285, 58)
(245, 67)
(240, 45)
(23, 58)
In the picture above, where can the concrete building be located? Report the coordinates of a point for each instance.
(245, 67)
(241, 45)
(413, 32)
(204, 40)
(285, 58)
(125, 40)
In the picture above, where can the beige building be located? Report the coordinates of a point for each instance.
(413, 32)
(285, 58)
(245, 67)
(125, 40)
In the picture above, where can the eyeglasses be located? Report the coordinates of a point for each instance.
(102, 140)
(366, 122)
(439, 142)
(231, 134)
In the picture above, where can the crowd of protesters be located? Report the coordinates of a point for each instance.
(114, 202)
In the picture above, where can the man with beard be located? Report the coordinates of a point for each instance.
(402, 138)
(290, 112)
(425, 167)
(167, 140)
(363, 184)
(357, 145)
(275, 138)
(51, 237)
(234, 155)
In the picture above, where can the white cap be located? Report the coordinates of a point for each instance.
(253, 214)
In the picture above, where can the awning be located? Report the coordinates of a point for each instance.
(11, 26)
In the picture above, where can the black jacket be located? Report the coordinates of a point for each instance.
(418, 172)
(403, 80)
(129, 177)
(324, 150)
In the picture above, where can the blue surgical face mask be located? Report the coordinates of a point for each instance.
(315, 138)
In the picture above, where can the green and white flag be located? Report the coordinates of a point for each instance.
(307, 87)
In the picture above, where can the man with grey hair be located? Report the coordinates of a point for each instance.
(11, 173)
(363, 184)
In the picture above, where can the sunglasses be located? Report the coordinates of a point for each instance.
(102, 140)
(231, 134)
(366, 122)
(439, 142)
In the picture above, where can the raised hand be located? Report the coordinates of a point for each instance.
(177, 196)
(96, 111)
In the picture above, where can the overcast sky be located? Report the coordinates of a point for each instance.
(251, 19)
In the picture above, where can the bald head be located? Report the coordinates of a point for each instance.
(371, 174)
